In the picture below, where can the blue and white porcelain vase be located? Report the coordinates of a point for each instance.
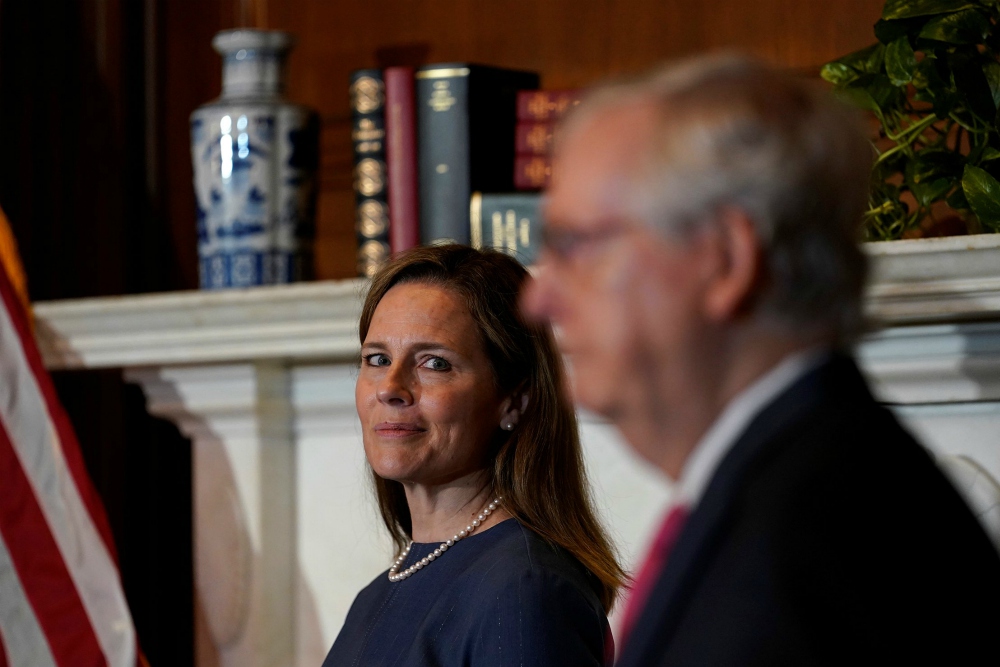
(255, 157)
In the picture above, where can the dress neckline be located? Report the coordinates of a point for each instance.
(475, 535)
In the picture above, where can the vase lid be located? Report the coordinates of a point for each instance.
(229, 41)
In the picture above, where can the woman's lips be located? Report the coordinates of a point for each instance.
(398, 429)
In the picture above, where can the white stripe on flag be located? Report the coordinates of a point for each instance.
(25, 641)
(36, 443)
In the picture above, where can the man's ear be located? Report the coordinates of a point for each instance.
(740, 264)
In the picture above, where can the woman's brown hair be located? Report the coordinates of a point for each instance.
(538, 467)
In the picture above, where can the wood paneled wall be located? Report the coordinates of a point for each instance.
(570, 42)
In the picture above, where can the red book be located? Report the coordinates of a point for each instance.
(533, 138)
(532, 172)
(401, 159)
(546, 105)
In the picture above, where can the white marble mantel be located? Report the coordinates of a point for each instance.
(262, 381)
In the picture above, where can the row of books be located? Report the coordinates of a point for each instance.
(538, 111)
(437, 157)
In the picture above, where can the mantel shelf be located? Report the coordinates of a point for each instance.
(300, 321)
(913, 282)
(923, 281)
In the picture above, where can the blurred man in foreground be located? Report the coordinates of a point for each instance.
(701, 262)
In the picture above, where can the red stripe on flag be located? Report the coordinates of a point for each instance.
(3, 652)
(67, 438)
(41, 569)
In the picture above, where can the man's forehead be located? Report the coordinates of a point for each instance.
(595, 163)
(619, 128)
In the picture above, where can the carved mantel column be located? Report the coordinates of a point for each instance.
(239, 420)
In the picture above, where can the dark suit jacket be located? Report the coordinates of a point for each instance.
(827, 536)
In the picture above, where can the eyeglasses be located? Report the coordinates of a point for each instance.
(564, 244)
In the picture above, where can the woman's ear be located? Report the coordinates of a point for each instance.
(512, 408)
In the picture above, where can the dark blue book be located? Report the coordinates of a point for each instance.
(507, 221)
(466, 117)
(370, 178)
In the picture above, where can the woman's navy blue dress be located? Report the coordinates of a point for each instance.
(503, 597)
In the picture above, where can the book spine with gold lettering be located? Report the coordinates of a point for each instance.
(533, 138)
(546, 106)
(370, 178)
(510, 222)
(465, 141)
(532, 172)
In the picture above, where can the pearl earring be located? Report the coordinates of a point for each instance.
(507, 425)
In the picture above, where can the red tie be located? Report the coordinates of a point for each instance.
(651, 568)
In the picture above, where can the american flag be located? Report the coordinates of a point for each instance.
(61, 598)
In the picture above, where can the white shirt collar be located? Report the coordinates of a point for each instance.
(734, 419)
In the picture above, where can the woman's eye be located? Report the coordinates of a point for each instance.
(437, 364)
(377, 359)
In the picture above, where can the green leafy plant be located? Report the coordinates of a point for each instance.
(933, 82)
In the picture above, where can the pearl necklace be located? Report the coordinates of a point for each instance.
(395, 575)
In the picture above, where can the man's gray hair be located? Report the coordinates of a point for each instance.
(735, 132)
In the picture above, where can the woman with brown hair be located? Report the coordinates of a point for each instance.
(479, 478)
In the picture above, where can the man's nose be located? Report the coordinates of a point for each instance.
(537, 294)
